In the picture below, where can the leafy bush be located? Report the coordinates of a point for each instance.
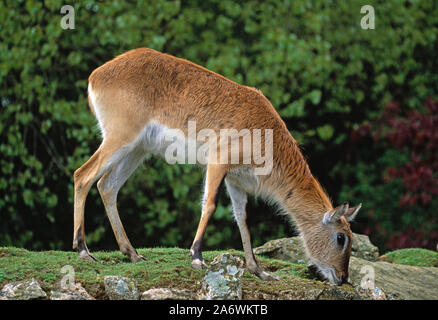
(403, 192)
(418, 133)
(324, 74)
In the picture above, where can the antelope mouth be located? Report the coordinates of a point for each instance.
(324, 273)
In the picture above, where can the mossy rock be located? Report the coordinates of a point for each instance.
(412, 257)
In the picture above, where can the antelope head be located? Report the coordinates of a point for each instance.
(328, 244)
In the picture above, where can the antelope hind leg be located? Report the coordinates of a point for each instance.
(109, 186)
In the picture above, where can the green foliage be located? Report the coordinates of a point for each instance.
(322, 72)
(384, 218)
(398, 182)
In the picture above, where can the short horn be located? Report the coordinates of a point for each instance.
(352, 212)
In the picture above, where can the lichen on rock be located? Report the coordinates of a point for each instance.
(22, 290)
(121, 288)
(167, 294)
(222, 280)
(77, 292)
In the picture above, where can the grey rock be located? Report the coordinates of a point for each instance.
(77, 292)
(363, 248)
(222, 280)
(167, 294)
(395, 280)
(391, 281)
(292, 250)
(288, 249)
(22, 290)
(121, 288)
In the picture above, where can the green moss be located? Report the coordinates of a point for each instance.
(164, 267)
(412, 257)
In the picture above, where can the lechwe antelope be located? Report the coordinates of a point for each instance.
(142, 95)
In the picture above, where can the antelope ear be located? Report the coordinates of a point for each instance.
(335, 214)
(352, 212)
(327, 217)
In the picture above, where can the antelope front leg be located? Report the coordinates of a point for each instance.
(251, 263)
(239, 200)
(214, 177)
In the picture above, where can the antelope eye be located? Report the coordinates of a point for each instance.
(340, 238)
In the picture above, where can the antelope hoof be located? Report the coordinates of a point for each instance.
(268, 277)
(198, 264)
(264, 275)
(84, 255)
(136, 258)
